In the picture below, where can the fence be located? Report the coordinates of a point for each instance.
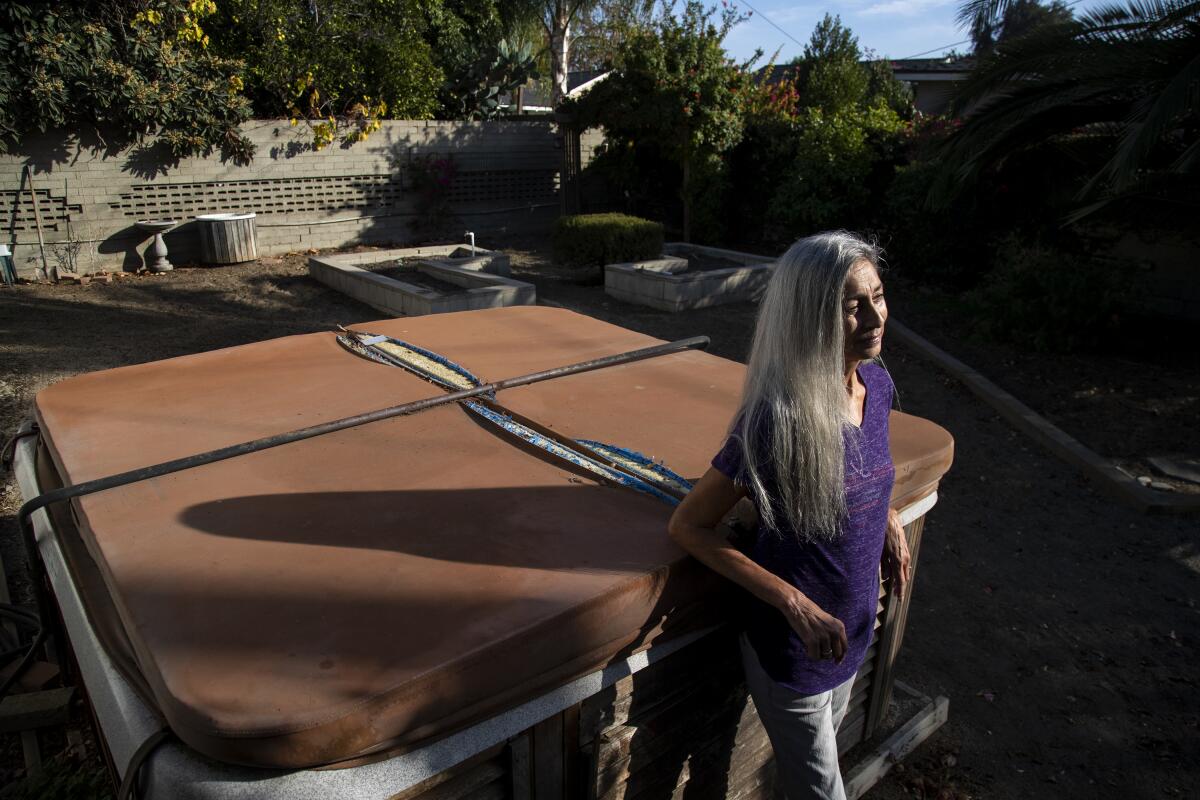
(89, 196)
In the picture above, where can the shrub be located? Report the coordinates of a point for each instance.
(831, 180)
(433, 181)
(593, 240)
(944, 248)
(1048, 299)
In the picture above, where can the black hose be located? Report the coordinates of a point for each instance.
(129, 784)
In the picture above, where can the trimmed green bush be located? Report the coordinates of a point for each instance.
(593, 240)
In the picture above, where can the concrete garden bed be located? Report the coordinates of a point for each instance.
(689, 276)
(430, 280)
(459, 255)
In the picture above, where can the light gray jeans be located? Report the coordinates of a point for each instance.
(802, 729)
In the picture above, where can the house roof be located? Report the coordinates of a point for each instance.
(776, 73)
(539, 96)
(933, 70)
(904, 68)
(941, 64)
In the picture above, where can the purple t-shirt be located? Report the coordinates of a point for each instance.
(841, 576)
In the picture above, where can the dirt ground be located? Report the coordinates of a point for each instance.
(1062, 626)
(1140, 398)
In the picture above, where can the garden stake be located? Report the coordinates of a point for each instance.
(37, 218)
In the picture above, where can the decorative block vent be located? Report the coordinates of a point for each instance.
(325, 195)
(482, 186)
(329, 194)
(55, 210)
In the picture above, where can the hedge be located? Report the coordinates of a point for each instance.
(593, 240)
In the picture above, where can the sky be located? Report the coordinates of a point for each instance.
(890, 28)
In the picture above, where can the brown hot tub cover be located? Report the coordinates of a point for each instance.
(373, 588)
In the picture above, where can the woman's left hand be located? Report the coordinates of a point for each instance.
(896, 558)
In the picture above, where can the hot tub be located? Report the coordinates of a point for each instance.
(404, 601)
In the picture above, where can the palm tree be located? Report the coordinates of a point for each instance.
(992, 22)
(1124, 76)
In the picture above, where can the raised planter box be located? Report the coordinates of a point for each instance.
(458, 255)
(477, 288)
(667, 284)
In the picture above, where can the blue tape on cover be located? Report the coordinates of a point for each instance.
(568, 454)
(362, 344)
(641, 459)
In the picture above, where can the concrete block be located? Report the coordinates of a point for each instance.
(654, 284)
(668, 264)
(696, 290)
(623, 296)
(620, 280)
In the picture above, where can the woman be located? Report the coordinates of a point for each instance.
(809, 447)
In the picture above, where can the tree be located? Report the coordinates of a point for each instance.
(833, 73)
(995, 21)
(599, 25)
(460, 31)
(673, 88)
(826, 161)
(123, 69)
(465, 40)
(337, 65)
(501, 71)
(557, 19)
(1115, 91)
(558, 16)
(602, 28)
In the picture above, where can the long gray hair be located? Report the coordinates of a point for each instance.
(794, 410)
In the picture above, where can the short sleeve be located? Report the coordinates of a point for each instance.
(731, 459)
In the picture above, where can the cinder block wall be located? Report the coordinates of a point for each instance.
(508, 175)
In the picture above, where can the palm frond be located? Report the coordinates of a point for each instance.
(976, 10)
(1128, 72)
(1189, 159)
(1150, 120)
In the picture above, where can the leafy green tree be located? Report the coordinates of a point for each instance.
(828, 160)
(602, 28)
(1114, 92)
(465, 36)
(831, 75)
(559, 20)
(834, 75)
(478, 91)
(459, 30)
(582, 33)
(126, 69)
(884, 88)
(833, 178)
(337, 65)
(674, 90)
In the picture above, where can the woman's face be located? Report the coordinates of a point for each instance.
(864, 312)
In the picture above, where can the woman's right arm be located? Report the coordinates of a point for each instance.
(694, 527)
